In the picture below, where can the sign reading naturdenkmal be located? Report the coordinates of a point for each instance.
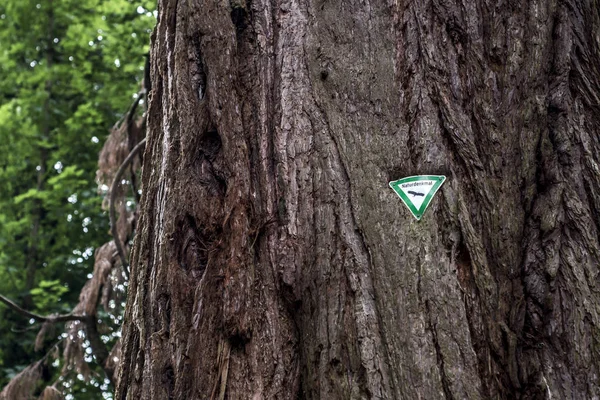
(417, 191)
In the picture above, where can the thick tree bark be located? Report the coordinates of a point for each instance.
(272, 260)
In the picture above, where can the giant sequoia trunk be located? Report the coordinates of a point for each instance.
(272, 260)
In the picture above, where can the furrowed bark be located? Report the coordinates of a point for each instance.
(273, 261)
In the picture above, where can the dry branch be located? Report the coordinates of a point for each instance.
(41, 318)
(113, 191)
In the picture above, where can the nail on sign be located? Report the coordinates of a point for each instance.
(417, 191)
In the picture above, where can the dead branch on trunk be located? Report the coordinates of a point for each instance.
(113, 191)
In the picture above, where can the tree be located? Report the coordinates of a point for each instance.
(273, 261)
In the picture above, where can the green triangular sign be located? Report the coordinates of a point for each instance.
(417, 191)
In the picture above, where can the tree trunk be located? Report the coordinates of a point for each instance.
(272, 260)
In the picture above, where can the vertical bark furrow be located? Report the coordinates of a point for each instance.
(440, 358)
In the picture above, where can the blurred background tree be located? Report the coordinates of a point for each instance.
(68, 71)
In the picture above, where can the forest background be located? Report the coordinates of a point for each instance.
(69, 72)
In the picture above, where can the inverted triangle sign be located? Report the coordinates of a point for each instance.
(417, 191)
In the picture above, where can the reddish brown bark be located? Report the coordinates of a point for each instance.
(273, 261)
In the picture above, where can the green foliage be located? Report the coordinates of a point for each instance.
(47, 294)
(68, 71)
